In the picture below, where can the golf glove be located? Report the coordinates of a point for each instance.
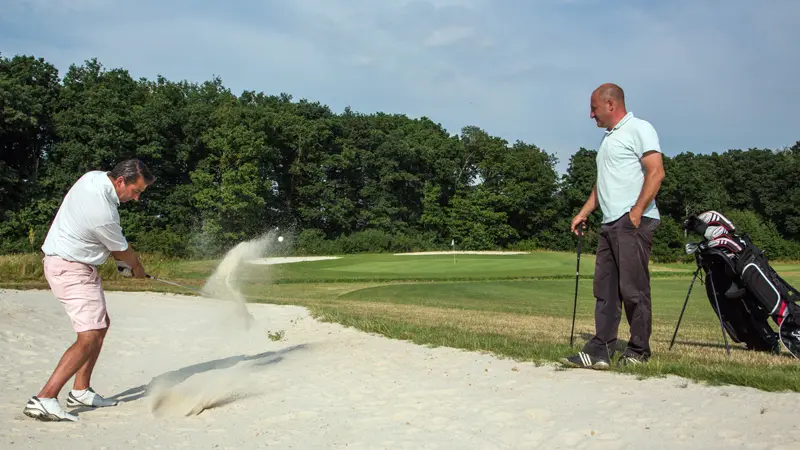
(124, 269)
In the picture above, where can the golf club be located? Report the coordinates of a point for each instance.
(173, 283)
(577, 274)
(126, 271)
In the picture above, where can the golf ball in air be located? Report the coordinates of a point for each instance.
(280, 238)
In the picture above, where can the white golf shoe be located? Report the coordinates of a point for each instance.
(88, 398)
(48, 410)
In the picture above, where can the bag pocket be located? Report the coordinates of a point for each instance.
(755, 272)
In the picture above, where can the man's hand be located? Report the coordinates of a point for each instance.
(636, 216)
(129, 258)
(138, 272)
(579, 219)
(583, 215)
(128, 271)
(124, 269)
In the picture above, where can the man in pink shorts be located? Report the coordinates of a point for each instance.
(84, 233)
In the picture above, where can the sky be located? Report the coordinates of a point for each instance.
(709, 75)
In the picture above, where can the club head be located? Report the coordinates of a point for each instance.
(695, 225)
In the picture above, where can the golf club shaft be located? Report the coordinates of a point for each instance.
(172, 283)
(577, 275)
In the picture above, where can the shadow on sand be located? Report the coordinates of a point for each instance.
(175, 377)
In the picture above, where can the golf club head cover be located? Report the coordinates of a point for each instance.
(715, 231)
(694, 225)
(700, 224)
(124, 269)
(713, 218)
(725, 242)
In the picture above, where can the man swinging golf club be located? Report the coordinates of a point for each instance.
(85, 231)
(629, 175)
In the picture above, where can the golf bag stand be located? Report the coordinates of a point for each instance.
(712, 292)
(685, 302)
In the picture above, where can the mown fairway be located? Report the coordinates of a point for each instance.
(388, 267)
(514, 305)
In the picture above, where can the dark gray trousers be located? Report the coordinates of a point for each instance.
(622, 277)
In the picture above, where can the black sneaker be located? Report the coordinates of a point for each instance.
(629, 359)
(585, 361)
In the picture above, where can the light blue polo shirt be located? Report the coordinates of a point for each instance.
(620, 173)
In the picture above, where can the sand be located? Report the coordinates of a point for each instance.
(326, 386)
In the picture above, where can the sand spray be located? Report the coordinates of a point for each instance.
(225, 283)
(188, 395)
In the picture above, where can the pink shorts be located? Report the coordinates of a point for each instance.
(78, 287)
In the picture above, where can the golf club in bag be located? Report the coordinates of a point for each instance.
(743, 289)
(577, 274)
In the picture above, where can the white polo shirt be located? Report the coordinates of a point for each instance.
(86, 228)
(620, 173)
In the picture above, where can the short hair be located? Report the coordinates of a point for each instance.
(611, 90)
(130, 170)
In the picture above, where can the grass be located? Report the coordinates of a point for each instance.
(516, 306)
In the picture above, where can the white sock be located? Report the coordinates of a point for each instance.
(79, 393)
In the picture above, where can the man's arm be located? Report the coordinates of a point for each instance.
(128, 256)
(591, 203)
(654, 175)
(588, 208)
(111, 236)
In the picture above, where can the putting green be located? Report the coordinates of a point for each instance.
(433, 267)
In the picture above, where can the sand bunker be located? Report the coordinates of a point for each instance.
(325, 386)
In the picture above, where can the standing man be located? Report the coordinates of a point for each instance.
(85, 231)
(629, 175)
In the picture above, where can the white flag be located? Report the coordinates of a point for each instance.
(453, 243)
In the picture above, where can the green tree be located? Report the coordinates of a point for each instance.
(29, 96)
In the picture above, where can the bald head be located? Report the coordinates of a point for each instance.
(610, 91)
(608, 105)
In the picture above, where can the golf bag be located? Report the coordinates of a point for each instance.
(744, 290)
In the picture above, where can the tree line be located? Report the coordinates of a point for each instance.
(231, 167)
